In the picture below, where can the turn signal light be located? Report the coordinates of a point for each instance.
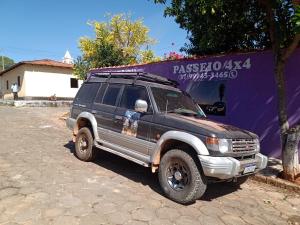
(212, 141)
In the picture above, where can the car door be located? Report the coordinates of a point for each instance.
(133, 127)
(104, 108)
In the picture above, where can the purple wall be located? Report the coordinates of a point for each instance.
(250, 94)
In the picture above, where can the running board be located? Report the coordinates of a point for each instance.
(121, 154)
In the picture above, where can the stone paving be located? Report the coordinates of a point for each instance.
(42, 182)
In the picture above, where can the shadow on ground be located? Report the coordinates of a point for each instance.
(144, 175)
(274, 168)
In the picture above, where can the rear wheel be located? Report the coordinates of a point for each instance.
(180, 177)
(84, 145)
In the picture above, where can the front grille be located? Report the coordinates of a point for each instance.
(243, 145)
(246, 157)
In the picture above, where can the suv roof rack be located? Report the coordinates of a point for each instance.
(134, 76)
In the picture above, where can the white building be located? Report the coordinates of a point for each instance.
(40, 79)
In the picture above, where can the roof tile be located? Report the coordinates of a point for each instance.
(41, 62)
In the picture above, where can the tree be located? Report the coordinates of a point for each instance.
(117, 42)
(148, 56)
(283, 19)
(103, 55)
(5, 62)
(219, 26)
(223, 26)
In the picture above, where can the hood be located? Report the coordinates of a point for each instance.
(210, 128)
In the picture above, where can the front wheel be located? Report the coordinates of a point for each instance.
(180, 177)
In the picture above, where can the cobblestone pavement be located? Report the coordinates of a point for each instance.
(41, 182)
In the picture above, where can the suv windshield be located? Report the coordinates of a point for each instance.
(175, 102)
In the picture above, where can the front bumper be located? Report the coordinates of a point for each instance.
(229, 167)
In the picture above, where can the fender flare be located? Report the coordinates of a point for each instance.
(187, 138)
(90, 117)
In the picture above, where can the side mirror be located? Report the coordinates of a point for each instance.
(141, 106)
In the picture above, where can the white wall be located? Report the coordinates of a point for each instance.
(12, 77)
(45, 83)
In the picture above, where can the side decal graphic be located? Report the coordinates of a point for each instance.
(130, 124)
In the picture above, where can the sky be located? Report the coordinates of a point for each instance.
(35, 29)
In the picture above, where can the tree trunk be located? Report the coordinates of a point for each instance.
(290, 156)
(289, 136)
(282, 109)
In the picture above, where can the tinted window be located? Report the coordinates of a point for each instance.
(101, 92)
(87, 93)
(210, 95)
(131, 94)
(111, 94)
(174, 101)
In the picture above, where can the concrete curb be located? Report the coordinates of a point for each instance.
(277, 182)
(35, 103)
(6, 103)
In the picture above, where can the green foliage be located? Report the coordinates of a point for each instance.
(148, 56)
(283, 17)
(216, 26)
(296, 19)
(81, 67)
(102, 55)
(117, 42)
(7, 62)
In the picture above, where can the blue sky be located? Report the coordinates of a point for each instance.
(35, 29)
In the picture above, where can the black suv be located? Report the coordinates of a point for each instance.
(147, 119)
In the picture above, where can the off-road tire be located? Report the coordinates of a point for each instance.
(89, 153)
(196, 185)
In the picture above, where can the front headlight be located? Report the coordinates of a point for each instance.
(216, 144)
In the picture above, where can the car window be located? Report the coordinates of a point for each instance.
(175, 101)
(210, 95)
(131, 94)
(87, 93)
(100, 93)
(111, 94)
